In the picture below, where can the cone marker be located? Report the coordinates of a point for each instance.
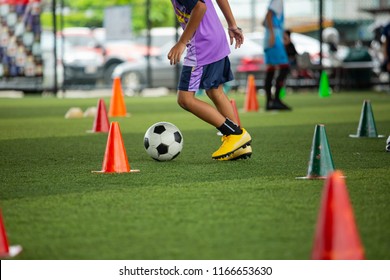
(7, 251)
(74, 113)
(235, 111)
(115, 156)
(101, 122)
(117, 103)
(324, 90)
(282, 93)
(251, 103)
(321, 161)
(366, 127)
(336, 236)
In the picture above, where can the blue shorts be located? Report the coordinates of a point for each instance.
(205, 77)
(275, 55)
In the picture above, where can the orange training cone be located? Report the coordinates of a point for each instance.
(234, 105)
(336, 236)
(101, 123)
(117, 104)
(251, 103)
(7, 251)
(115, 157)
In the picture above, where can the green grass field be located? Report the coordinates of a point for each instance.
(191, 207)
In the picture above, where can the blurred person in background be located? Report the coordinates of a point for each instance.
(275, 55)
(291, 53)
(386, 49)
(331, 36)
(290, 48)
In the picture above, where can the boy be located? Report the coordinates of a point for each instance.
(207, 66)
(275, 55)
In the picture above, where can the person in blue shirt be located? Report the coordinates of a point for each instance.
(275, 55)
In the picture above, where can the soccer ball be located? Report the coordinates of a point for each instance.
(388, 144)
(163, 141)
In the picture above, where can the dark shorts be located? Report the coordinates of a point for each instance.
(276, 55)
(205, 77)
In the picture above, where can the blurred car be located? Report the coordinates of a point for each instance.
(160, 36)
(134, 74)
(119, 51)
(89, 58)
(83, 56)
(346, 66)
(306, 44)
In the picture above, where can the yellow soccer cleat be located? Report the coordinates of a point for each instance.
(241, 153)
(232, 143)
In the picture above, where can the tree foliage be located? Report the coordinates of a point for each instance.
(90, 13)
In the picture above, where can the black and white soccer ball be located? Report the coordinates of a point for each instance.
(163, 141)
(388, 144)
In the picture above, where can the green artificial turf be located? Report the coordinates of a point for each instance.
(192, 207)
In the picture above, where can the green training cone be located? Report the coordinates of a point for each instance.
(282, 93)
(367, 127)
(320, 162)
(324, 90)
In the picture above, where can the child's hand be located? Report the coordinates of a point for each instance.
(271, 41)
(236, 33)
(176, 52)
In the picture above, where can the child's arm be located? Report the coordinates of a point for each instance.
(196, 17)
(234, 31)
(269, 25)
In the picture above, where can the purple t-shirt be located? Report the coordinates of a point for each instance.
(209, 43)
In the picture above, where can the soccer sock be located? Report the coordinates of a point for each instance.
(280, 80)
(229, 127)
(268, 83)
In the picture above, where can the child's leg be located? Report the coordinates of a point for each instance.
(201, 109)
(234, 138)
(281, 80)
(222, 115)
(270, 72)
(208, 113)
(236, 141)
(222, 103)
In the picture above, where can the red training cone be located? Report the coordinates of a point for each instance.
(234, 105)
(101, 123)
(115, 157)
(7, 251)
(251, 103)
(117, 104)
(336, 236)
